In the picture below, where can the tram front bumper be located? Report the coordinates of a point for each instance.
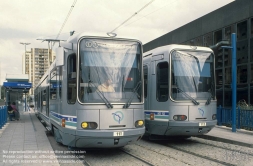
(190, 128)
(179, 128)
(107, 138)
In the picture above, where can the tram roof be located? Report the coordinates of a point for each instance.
(168, 48)
(75, 38)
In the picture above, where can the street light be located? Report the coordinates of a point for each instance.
(25, 45)
(28, 71)
(25, 49)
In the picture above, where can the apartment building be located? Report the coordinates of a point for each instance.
(35, 63)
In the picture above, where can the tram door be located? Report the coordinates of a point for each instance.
(159, 83)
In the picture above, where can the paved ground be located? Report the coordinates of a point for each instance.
(24, 142)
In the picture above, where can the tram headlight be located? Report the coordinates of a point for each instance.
(84, 125)
(179, 117)
(214, 117)
(89, 125)
(139, 123)
(93, 125)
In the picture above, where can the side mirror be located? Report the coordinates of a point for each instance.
(219, 44)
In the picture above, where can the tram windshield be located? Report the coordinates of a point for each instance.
(192, 76)
(110, 71)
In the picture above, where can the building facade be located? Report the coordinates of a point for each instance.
(236, 17)
(35, 64)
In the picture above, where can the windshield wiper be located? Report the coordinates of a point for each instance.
(101, 95)
(192, 99)
(210, 96)
(128, 103)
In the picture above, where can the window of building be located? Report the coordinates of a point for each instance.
(162, 82)
(251, 49)
(227, 57)
(242, 93)
(71, 79)
(219, 98)
(242, 30)
(251, 79)
(242, 52)
(199, 41)
(228, 31)
(242, 74)
(208, 40)
(228, 76)
(218, 77)
(228, 98)
(217, 36)
(251, 25)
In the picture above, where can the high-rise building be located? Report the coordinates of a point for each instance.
(35, 63)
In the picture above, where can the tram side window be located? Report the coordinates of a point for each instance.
(72, 79)
(145, 69)
(53, 79)
(59, 81)
(162, 82)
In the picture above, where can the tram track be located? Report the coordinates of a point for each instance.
(226, 154)
(197, 153)
(138, 158)
(225, 147)
(201, 156)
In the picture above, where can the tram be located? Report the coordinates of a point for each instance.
(179, 91)
(92, 94)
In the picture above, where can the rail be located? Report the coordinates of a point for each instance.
(3, 116)
(244, 117)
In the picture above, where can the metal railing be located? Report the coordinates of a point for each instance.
(3, 116)
(244, 118)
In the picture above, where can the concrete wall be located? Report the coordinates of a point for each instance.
(222, 17)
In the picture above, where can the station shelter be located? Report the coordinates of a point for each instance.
(17, 89)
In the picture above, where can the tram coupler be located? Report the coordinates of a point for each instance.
(200, 130)
(116, 141)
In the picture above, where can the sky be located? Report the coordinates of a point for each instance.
(28, 20)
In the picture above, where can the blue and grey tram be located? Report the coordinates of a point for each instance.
(179, 91)
(92, 94)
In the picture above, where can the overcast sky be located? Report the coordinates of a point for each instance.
(28, 20)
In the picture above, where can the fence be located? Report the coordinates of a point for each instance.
(244, 118)
(3, 116)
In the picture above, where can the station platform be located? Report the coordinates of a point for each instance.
(25, 142)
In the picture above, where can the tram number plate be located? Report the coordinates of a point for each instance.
(118, 133)
(202, 124)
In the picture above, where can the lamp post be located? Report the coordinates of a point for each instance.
(25, 46)
(234, 78)
(28, 71)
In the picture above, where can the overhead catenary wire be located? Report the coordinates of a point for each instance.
(66, 19)
(132, 16)
(151, 12)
